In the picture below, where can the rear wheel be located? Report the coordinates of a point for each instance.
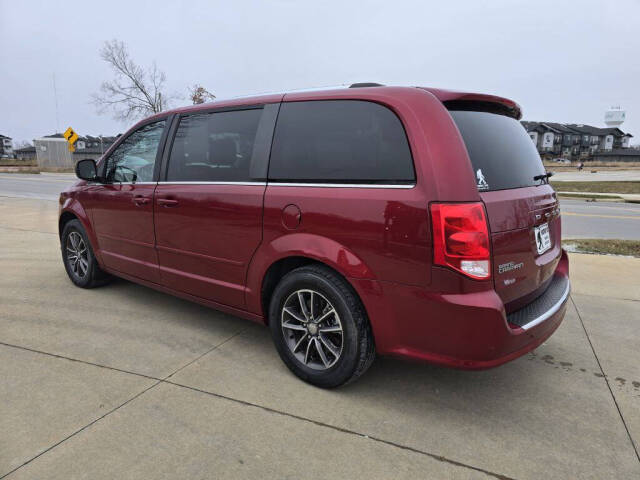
(78, 257)
(320, 328)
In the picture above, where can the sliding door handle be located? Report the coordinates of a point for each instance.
(167, 202)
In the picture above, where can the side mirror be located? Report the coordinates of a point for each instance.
(86, 169)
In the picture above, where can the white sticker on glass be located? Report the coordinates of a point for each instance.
(481, 181)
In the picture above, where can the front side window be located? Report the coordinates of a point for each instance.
(340, 141)
(214, 147)
(134, 159)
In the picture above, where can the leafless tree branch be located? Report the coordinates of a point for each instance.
(134, 91)
(198, 94)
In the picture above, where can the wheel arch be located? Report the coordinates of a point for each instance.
(275, 259)
(281, 267)
(275, 272)
(73, 210)
(65, 217)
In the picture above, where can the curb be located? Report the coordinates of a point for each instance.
(602, 197)
(16, 169)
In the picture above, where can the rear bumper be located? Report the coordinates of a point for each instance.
(469, 331)
(544, 307)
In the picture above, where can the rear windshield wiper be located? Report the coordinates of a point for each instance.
(545, 176)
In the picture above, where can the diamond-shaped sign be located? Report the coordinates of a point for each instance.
(70, 136)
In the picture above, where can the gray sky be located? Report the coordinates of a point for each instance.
(562, 61)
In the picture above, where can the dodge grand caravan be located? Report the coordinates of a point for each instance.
(412, 222)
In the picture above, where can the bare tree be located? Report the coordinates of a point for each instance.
(198, 94)
(135, 91)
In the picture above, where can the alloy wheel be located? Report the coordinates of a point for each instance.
(312, 329)
(77, 254)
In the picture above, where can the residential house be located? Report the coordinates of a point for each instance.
(92, 147)
(6, 147)
(574, 141)
(26, 153)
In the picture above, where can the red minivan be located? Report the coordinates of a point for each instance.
(412, 222)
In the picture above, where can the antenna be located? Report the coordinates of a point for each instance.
(55, 96)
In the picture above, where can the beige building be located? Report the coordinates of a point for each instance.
(52, 151)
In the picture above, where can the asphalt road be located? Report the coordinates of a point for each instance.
(606, 176)
(580, 219)
(44, 186)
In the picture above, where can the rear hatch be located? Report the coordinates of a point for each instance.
(523, 213)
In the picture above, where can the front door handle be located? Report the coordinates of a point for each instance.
(167, 202)
(140, 200)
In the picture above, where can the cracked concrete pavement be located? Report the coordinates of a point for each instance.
(126, 382)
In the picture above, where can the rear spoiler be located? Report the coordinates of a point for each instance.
(477, 102)
(483, 106)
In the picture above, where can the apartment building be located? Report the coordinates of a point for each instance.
(575, 141)
(6, 147)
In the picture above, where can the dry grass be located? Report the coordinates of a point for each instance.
(602, 166)
(14, 169)
(612, 247)
(599, 187)
(17, 162)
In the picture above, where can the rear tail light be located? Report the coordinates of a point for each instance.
(461, 238)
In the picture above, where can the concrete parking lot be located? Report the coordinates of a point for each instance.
(126, 382)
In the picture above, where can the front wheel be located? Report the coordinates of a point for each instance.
(79, 260)
(320, 328)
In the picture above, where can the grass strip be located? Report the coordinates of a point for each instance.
(599, 187)
(601, 246)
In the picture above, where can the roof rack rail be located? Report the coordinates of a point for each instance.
(365, 84)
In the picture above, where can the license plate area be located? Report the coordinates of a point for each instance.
(542, 238)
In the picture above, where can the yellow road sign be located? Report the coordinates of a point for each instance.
(72, 148)
(70, 136)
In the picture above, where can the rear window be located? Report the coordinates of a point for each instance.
(502, 154)
(340, 141)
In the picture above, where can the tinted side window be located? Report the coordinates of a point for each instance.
(134, 159)
(340, 141)
(214, 147)
(502, 154)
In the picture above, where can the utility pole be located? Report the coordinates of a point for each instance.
(55, 96)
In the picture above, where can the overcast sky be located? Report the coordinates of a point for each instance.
(562, 61)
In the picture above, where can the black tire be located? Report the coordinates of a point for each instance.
(84, 272)
(357, 349)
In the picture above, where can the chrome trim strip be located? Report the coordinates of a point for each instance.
(212, 183)
(341, 185)
(120, 183)
(551, 311)
(274, 184)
